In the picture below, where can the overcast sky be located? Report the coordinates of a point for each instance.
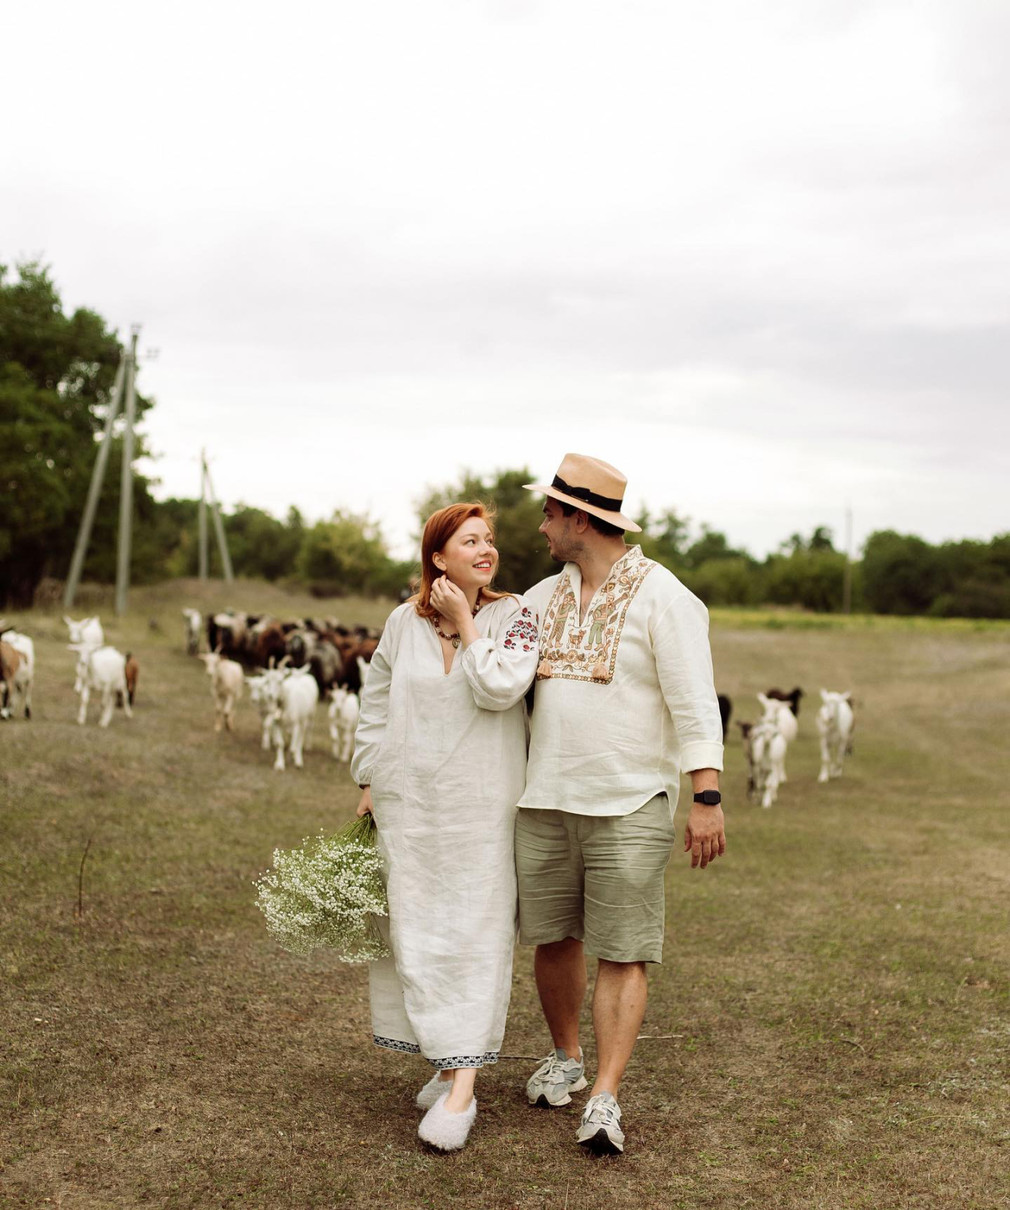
(756, 253)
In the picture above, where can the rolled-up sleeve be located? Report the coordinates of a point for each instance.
(501, 667)
(371, 727)
(684, 664)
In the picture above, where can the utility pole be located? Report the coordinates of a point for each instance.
(95, 488)
(222, 544)
(202, 516)
(847, 582)
(126, 480)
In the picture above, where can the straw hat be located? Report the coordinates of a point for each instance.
(591, 485)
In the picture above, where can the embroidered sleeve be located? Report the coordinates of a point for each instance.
(500, 668)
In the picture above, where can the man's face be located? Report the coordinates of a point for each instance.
(562, 543)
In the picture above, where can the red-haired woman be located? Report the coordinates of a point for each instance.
(440, 753)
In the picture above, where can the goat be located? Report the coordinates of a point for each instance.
(10, 662)
(777, 711)
(764, 746)
(293, 695)
(258, 694)
(835, 722)
(103, 669)
(343, 715)
(725, 710)
(87, 631)
(24, 675)
(792, 698)
(194, 624)
(226, 680)
(132, 671)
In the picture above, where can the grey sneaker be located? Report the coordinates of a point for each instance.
(600, 1131)
(553, 1082)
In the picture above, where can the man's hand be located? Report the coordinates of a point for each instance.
(705, 834)
(365, 805)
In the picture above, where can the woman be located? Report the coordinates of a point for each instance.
(440, 754)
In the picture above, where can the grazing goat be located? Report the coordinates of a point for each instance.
(194, 623)
(725, 710)
(792, 698)
(293, 694)
(835, 722)
(226, 680)
(24, 675)
(87, 632)
(102, 669)
(343, 715)
(10, 662)
(132, 671)
(764, 746)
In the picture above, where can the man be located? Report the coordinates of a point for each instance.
(624, 703)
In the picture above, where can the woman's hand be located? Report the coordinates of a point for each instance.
(365, 806)
(450, 601)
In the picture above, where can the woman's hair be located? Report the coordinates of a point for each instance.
(438, 529)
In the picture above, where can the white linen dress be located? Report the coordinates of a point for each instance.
(445, 755)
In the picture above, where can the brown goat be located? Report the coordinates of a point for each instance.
(132, 672)
(10, 661)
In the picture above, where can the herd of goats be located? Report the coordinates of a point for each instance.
(289, 667)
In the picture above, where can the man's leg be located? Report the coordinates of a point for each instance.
(560, 970)
(618, 1012)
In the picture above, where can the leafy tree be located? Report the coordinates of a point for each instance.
(56, 376)
(901, 573)
(260, 545)
(726, 581)
(522, 549)
(712, 545)
(346, 554)
(665, 538)
(812, 577)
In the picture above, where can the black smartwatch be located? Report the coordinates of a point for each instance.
(711, 798)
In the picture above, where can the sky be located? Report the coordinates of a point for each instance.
(756, 255)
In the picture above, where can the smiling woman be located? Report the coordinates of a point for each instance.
(440, 754)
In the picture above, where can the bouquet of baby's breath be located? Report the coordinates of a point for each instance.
(328, 893)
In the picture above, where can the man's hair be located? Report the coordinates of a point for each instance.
(597, 523)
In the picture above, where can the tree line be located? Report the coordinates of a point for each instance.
(56, 378)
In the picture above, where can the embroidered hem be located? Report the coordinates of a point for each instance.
(454, 1061)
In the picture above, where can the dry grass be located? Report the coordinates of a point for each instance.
(837, 984)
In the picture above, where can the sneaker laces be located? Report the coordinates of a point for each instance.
(601, 1108)
(552, 1070)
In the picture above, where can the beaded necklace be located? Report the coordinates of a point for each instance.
(454, 638)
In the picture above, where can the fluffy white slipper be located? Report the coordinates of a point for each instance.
(430, 1093)
(444, 1130)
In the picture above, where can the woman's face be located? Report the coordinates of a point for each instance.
(469, 558)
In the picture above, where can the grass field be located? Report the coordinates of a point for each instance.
(831, 1026)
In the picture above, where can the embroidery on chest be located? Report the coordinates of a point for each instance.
(586, 650)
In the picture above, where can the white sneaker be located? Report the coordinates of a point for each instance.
(444, 1130)
(600, 1131)
(430, 1093)
(553, 1082)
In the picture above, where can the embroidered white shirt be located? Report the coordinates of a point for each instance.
(625, 697)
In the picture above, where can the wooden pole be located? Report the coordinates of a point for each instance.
(202, 515)
(222, 544)
(95, 488)
(126, 481)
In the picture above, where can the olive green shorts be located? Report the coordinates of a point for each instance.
(597, 878)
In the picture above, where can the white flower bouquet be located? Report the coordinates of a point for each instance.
(328, 893)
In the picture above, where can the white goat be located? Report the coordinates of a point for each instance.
(835, 722)
(294, 694)
(764, 746)
(24, 674)
(226, 680)
(87, 632)
(194, 623)
(259, 695)
(343, 715)
(102, 669)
